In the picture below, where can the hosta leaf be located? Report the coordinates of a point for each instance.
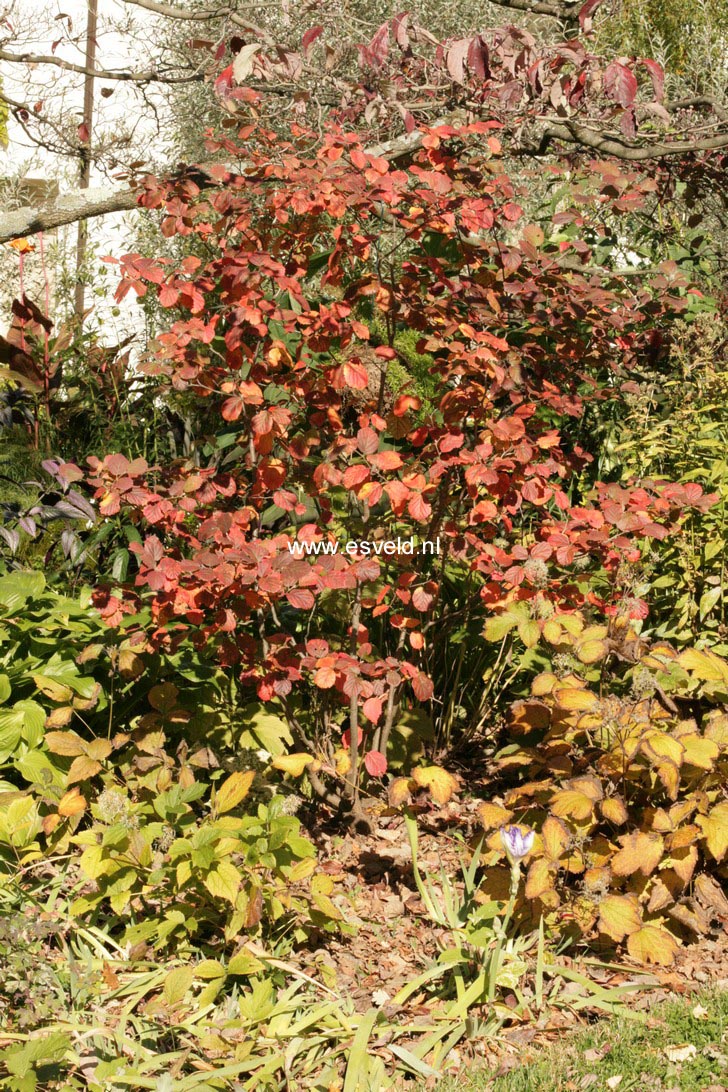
(233, 790)
(641, 852)
(619, 915)
(652, 944)
(440, 783)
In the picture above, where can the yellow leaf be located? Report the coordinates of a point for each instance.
(684, 862)
(58, 718)
(440, 783)
(234, 789)
(683, 836)
(652, 944)
(669, 775)
(539, 879)
(552, 632)
(327, 907)
(72, 802)
(705, 665)
(493, 815)
(660, 897)
(177, 983)
(342, 761)
(98, 749)
(659, 745)
(555, 838)
(293, 764)
(700, 752)
(574, 700)
(716, 728)
(640, 852)
(619, 915)
(590, 786)
(714, 826)
(398, 791)
(571, 804)
(614, 810)
(82, 768)
(543, 684)
(301, 870)
(68, 744)
(591, 651)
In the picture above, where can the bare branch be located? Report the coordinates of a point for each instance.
(567, 12)
(68, 208)
(150, 76)
(630, 151)
(171, 11)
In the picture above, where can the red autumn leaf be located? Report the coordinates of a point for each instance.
(355, 375)
(325, 677)
(367, 441)
(620, 83)
(310, 37)
(386, 460)
(346, 737)
(423, 686)
(376, 763)
(372, 709)
(301, 598)
(355, 475)
(418, 507)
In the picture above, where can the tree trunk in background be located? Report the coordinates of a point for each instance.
(86, 128)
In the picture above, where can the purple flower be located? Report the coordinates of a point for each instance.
(516, 844)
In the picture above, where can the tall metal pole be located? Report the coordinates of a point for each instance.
(84, 178)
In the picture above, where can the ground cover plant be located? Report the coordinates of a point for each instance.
(381, 712)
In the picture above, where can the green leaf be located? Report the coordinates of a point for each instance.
(177, 983)
(499, 626)
(358, 1066)
(263, 729)
(223, 881)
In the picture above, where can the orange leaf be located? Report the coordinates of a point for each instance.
(72, 802)
(640, 852)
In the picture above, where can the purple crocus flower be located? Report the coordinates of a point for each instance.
(516, 844)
